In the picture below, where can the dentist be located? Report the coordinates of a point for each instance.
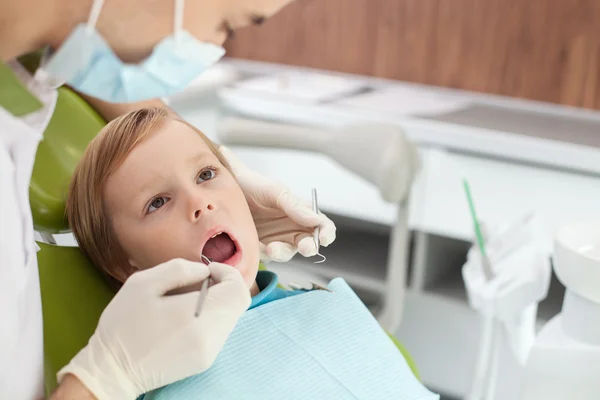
(121, 55)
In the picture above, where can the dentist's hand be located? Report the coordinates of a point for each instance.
(285, 223)
(146, 340)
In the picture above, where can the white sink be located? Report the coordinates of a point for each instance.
(577, 258)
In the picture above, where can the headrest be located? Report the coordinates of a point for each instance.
(74, 124)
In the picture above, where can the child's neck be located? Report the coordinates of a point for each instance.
(254, 290)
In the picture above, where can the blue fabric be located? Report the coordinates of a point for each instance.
(320, 345)
(267, 284)
(89, 65)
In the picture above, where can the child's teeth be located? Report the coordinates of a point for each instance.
(216, 235)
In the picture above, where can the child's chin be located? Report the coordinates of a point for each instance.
(250, 278)
(253, 288)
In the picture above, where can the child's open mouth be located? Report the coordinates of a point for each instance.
(222, 248)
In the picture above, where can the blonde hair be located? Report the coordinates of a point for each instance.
(86, 210)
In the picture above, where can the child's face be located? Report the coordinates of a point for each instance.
(171, 195)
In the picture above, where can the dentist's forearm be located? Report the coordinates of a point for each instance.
(71, 388)
(110, 111)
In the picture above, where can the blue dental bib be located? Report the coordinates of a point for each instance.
(316, 345)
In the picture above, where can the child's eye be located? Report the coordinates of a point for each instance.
(157, 203)
(206, 175)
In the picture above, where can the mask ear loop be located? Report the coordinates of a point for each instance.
(178, 19)
(94, 14)
(40, 74)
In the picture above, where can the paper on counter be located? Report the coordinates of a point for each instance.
(304, 87)
(409, 101)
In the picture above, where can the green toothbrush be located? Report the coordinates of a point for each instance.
(487, 265)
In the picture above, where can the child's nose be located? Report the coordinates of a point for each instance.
(200, 205)
(198, 213)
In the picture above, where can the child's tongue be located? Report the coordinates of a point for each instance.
(219, 248)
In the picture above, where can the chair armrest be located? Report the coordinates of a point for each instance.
(406, 355)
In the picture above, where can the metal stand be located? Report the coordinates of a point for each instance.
(47, 237)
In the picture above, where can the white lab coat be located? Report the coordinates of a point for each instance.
(21, 343)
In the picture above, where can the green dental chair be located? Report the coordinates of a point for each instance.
(74, 293)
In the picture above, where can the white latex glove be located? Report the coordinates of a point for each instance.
(285, 223)
(146, 340)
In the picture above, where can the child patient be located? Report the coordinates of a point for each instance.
(150, 188)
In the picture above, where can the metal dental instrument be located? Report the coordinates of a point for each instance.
(315, 208)
(314, 286)
(203, 289)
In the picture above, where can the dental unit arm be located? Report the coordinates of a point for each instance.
(378, 153)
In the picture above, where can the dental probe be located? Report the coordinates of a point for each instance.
(203, 288)
(315, 208)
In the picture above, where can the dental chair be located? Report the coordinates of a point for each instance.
(74, 293)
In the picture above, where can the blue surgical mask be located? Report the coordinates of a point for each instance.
(87, 63)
